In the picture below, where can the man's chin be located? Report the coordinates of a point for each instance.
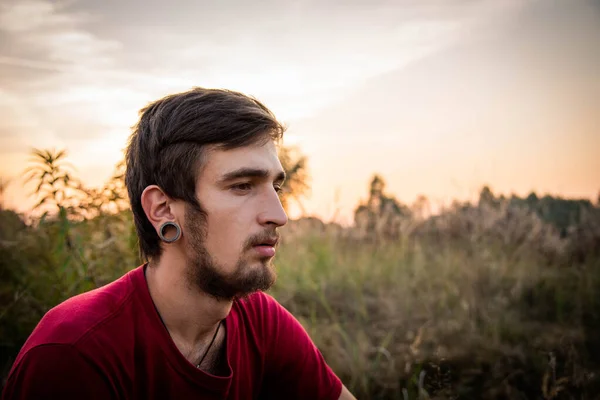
(262, 278)
(251, 276)
(246, 293)
(263, 275)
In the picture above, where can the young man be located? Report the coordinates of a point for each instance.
(193, 322)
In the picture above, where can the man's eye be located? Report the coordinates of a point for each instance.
(242, 187)
(278, 189)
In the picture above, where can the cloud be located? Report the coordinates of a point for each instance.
(31, 64)
(20, 127)
(47, 69)
(45, 29)
(301, 57)
(32, 15)
(297, 57)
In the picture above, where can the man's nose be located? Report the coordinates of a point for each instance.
(273, 212)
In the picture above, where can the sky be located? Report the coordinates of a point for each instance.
(440, 97)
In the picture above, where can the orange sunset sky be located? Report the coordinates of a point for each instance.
(440, 97)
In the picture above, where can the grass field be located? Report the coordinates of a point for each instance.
(399, 320)
(485, 303)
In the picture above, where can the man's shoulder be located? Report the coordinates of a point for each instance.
(71, 320)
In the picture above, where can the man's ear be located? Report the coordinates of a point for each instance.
(157, 206)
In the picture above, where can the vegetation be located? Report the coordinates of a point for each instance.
(495, 300)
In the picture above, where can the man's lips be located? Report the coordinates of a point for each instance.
(265, 250)
(272, 241)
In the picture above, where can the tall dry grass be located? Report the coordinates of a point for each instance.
(479, 302)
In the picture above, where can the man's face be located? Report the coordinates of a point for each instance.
(231, 245)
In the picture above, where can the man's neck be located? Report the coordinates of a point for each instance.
(189, 314)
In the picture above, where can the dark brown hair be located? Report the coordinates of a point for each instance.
(166, 146)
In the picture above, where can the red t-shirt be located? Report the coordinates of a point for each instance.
(109, 343)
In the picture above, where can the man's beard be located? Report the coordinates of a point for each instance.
(205, 273)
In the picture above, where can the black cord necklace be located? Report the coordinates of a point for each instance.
(210, 345)
(167, 329)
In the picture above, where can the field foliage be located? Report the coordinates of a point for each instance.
(498, 299)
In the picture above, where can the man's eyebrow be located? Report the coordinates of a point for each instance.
(250, 173)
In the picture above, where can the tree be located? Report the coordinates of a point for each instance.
(111, 198)
(486, 197)
(3, 184)
(56, 185)
(421, 208)
(296, 184)
(381, 215)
